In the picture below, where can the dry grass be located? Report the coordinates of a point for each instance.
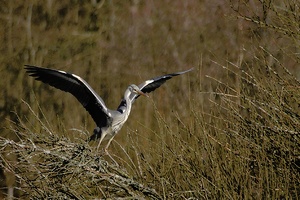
(231, 127)
(245, 146)
(50, 166)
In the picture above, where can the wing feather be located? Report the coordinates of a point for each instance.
(78, 87)
(154, 83)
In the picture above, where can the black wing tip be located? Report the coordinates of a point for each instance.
(31, 67)
(32, 70)
(36, 70)
(168, 76)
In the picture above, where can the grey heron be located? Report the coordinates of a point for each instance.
(108, 121)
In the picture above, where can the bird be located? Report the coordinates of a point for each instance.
(108, 122)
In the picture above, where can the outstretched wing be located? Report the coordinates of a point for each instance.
(154, 83)
(78, 87)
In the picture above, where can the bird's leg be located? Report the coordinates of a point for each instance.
(105, 150)
(106, 147)
(101, 139)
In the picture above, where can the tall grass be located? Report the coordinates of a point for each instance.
(245, 145)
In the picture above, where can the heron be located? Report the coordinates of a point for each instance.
(108, 122)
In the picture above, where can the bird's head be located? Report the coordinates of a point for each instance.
(135, 89)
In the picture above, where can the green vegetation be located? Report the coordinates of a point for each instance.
(227, 130)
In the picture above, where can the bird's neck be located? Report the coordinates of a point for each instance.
(125, 105)
(127, 100)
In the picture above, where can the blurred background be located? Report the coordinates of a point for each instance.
(112, 44)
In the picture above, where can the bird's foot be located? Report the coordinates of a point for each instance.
(106, 151)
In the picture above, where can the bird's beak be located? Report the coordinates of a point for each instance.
(142, 93)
